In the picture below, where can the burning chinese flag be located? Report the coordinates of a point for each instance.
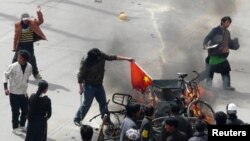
(139, 79)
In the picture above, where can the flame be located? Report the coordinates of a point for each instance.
(206, 116)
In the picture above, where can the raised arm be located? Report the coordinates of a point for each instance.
(118, 57)
(39, 13)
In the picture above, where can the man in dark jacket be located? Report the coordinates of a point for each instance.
(219, 38)
(90, 79)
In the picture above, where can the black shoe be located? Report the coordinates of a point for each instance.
(229, 88)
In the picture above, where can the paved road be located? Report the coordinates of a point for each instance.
(164, 37)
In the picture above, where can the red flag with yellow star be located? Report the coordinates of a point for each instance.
(139, 79)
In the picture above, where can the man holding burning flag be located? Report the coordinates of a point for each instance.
(90, 79)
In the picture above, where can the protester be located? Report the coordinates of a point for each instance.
(146, 130)
(172, 132)
(86, 132)
(200, 133)
(27, 31)
(217, 62)
(18, 75)
(232, 118)
(220, 118)
(38, 114)
(90, 79)
(130, 121)
(184, 124)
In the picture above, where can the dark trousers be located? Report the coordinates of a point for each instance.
(18, 103)
(222, 68)
(37, 129)
(30, 48)
(225, 78)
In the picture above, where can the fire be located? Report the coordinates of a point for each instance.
(197, 112)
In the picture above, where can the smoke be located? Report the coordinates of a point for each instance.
(181, 27)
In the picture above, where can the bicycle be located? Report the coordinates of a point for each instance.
(110, 127)
(191, 100)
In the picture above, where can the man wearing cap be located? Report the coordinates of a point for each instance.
(232, 118)
(27, 31)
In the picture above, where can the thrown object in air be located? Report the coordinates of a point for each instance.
(123, 16)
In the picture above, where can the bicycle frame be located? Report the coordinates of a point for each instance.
(192, 100)
(188, 89)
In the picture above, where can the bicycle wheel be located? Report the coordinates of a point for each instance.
(201, 109)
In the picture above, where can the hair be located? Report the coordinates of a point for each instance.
(220, 118)
(132, 109)
(24, 54)
(92, 57)
(200, 126)
(226, 18)
(172, 121)
(149, 110)
(42, 85)
(175, 108)
(86, 132)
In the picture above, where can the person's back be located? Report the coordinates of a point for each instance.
(172, 132)
(39, 108)
(86, 132)
(133, 111)
(233, 120)
(220, 118)
(146, 126)
(200, 135)
(183, 123)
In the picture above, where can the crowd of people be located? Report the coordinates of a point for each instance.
(37, 108)
(175, 127)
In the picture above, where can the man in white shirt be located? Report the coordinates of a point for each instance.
(17, 74)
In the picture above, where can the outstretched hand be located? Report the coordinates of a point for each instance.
(38, 8)
(131, 59)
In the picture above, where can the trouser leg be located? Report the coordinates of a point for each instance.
(101, 99)
(88, 99)
(32, 60)
(210, 76)
(226, 79)
(24, 109)
(14, 103)
(33, 63)
(204, 73)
